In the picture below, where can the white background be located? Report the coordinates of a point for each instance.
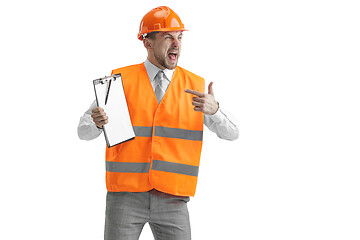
(288, 70)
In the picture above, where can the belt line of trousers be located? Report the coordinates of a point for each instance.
(128, 212)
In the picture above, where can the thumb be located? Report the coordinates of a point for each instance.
(210, 89)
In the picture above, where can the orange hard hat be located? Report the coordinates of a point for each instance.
(160, 19)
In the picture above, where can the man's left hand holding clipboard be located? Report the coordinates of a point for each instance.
(99, 117)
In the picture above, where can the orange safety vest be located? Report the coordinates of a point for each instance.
(165, 153)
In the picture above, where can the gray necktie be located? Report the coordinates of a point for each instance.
(160, 85)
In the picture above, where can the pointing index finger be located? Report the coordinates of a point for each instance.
(194, 92)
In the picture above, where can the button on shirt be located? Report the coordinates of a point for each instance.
(222, 122)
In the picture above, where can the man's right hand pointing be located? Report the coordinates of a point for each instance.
(204, 103)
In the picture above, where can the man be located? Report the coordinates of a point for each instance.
(150, 179)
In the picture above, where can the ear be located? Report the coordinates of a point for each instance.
(147, 43)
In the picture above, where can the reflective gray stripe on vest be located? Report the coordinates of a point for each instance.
(127, 167)
(168, 132)
(175, 168)
(178, 133)
(143, 131)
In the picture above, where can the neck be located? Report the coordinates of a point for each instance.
(156, 63)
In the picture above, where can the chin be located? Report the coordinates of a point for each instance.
(172, 66)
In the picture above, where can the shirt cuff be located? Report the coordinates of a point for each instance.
(216, 117)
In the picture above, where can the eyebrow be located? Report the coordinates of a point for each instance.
(168, 34)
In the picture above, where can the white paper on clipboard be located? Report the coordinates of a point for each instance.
(110, 96)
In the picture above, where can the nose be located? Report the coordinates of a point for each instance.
(176, 43)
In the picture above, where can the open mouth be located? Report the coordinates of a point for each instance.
(172, 56)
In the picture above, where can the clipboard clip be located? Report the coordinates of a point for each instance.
(106, 78)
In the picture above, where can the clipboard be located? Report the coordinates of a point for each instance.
(110, 96)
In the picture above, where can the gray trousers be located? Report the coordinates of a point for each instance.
(127, 213)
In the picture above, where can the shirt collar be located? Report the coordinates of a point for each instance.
(152, 70)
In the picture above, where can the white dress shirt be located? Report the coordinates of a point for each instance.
(222, 122)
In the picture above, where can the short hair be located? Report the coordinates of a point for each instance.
(151, 35)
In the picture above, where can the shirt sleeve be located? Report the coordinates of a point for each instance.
(223, 123)
(87, 129)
